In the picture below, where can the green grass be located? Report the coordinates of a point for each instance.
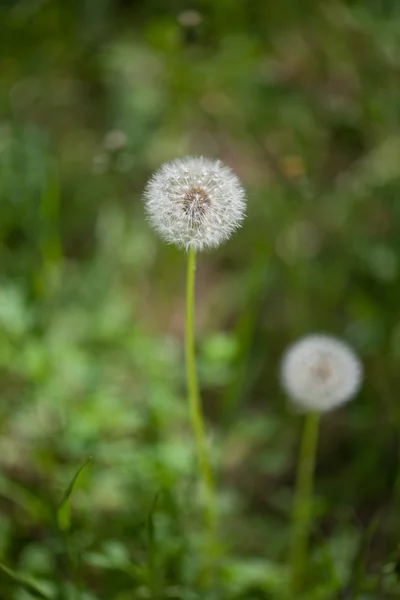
(303, 104)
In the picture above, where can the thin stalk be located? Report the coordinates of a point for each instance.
(195, 410)
(50, 241)
(303, 501)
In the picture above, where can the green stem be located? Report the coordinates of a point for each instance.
(194, 400)
(303, 501)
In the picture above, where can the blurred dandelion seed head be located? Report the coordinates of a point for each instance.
(195, 202)
(320, 372)
(115, 140)
(190, 18)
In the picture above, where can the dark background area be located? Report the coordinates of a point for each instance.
(302, 101)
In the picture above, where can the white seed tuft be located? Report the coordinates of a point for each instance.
(195, 202)
(320, 372)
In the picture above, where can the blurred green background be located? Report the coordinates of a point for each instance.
(302, 101)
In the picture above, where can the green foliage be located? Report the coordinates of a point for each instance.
(301, 100)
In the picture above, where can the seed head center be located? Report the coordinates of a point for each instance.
(196, 201)
(322, 370)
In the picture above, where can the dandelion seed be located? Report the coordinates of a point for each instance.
(195, 203)
(320, 372)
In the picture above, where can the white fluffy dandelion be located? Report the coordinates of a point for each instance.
(195, 203)
(320, 372)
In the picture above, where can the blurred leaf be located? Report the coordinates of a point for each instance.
(33, 505)
(14, 312)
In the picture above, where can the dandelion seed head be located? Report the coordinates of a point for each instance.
(320, 372)
(115, 140)
(190, 18)
(195, 202)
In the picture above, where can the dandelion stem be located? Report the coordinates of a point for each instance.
(303, 501)
(195, 402)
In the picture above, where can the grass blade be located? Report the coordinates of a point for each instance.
(64, 509)
(151, 543)
(24, 582)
